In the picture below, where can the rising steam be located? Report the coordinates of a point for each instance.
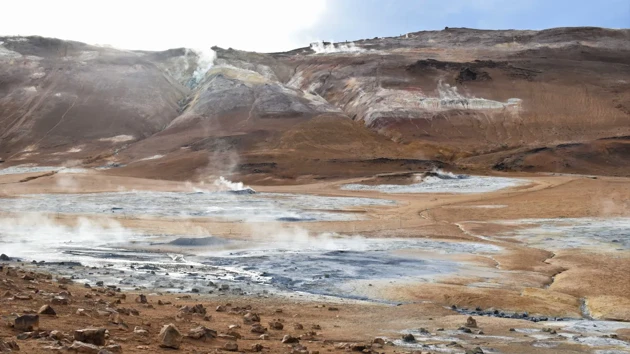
(323, 48)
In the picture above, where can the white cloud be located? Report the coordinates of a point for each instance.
(270, 25)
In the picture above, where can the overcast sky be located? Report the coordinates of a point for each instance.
(277, 25)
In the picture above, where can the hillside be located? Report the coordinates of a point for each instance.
(555, 100)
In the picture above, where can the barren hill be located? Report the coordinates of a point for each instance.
(552, 100)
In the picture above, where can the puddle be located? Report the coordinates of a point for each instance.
(317, 265)
(233, 206)
(14, 170)
(443, 182)
(572, 232)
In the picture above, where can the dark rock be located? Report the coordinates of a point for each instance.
(46, 310)
(27, 323)
(408, 338)
(94, 336)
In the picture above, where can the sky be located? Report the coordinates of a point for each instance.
(279, 25)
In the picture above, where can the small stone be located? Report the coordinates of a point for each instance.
(408, 338)
(56, 335)
(258, 328)
(170, 337)
(202, 332)
(379, 341)
(471, 322)
(257, 347)
(94, 336)
(114, 348)
(142, 299)
(298, 326)
(276, 325)
(477, 350)
(141, 331)
(234, 334)
(46, 310)
(80, 347)
(512, 330)
(60, 300)
(220, 308)
(333, 309)
(264, 336)
(230, 346)
(288, 339)
(251, 317)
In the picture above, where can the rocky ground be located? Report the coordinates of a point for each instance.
(553, 290)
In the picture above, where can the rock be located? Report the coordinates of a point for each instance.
(80, 347)
(230, 346)
(220, 308)
(94, 336)
(298, 326)
(27, 323)
(471, 322)
(60, 300)
(276, 325)
(104, 351)
(477, 350)
(202, 332)
(251, 317)
(355, 347)
(465, 329)
(114, 348)
(23, 297)
(333, 309)
(81, 312)
(380, 341)
(198, 309)
(8, 347)
(258, 328)
(141, 331)
(46, 310)
(170, 337)
(257, 347)
(234, 334)
(56, 335)
(408, 338)
(115, 318)
(4, 258)
(288, 339)
(141, 299)
(264, 336)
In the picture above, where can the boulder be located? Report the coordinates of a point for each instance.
(4, 258)
(46, 310)
(27, 323)
(94, 336)
(170, 337)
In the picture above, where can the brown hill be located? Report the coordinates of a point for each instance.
(552, 100)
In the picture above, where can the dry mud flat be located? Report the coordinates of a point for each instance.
(540, 262)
